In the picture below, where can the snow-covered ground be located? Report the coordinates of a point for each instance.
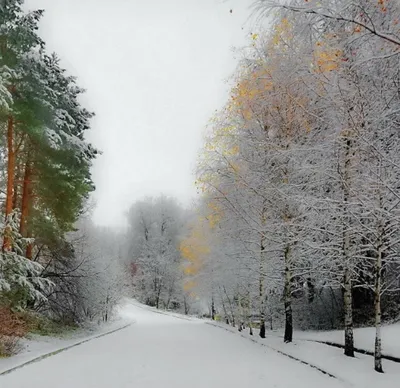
(169, 350)
(160, 350)
(363, 338)
(357, 372)
(38, 346)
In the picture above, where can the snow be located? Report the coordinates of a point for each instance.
(170, 350)
(356, 372)
(53, 138)
(38, 346)
(161, 350)
(363, 338)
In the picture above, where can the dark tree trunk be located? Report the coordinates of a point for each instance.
(288, 323)
(262, 328)
(26, 199)
(288, 337)
(348, 316)
(378, 312)
(261, 285)
(7, 243)
(347, 295)
(212, 309)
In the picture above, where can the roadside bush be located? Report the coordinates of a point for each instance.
(12, 328)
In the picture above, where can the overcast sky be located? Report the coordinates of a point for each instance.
(155, 71)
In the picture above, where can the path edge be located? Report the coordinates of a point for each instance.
(55, 352)
(326, 373)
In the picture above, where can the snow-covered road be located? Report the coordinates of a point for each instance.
(165, 351)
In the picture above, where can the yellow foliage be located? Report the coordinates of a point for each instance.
(195, 250)
(282, 34)
(228, 129)
(326, 58)
(254, 36)
(231, 151)
(249, 92)
(189, 285)
(215, 216)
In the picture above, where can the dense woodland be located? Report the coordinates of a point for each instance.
(299, 174)
(296, 225)
(51, 265)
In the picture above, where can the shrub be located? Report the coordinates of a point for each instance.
(12, 328)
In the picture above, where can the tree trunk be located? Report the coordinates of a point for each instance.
(185, 305)
(288, 337)
(249, 313)
(262, 328)
(262, 287)
(348, 296)
(26, 199)
(17, 179)
(106, 310)
(29, 250)
(158, 287)
(157, 301)
(241, 313)
(7, 243)
(170, 293)
(230, 307)
(226, 315)
(378, 286)
(348, 315)
(212, 309)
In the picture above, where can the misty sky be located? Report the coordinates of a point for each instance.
(155, 71)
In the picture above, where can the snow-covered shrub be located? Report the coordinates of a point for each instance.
(88, 275)
(21, 280)
(12, 328)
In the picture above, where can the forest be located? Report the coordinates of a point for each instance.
(296, 222)
(49, 269)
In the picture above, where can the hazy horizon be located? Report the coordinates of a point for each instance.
(154, 75)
